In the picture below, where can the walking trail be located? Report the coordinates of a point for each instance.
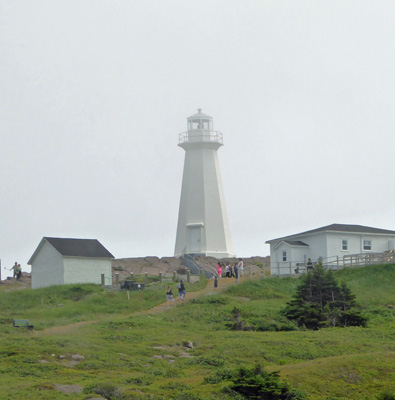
(223, 284)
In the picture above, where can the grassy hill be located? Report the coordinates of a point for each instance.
(106, 345)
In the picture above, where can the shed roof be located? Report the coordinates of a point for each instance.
(75, 248)
(340, 228)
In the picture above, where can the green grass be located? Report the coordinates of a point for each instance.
(122, 347)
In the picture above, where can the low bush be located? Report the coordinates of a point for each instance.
(255, 383)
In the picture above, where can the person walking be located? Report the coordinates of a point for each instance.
(17, 270)
(219, 270)
(236, 271)
(240, 266)
(169, 296)
(181, 291)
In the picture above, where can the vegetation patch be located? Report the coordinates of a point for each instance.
(256, 383)
(321, 301)
(118, 343)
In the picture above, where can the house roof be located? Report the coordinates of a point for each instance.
(339, 228)
(295, 243)
(75, 248)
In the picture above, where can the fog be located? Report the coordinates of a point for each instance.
(94, 95)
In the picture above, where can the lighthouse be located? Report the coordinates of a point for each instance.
(203, 227)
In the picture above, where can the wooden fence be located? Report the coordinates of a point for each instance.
(335, 262)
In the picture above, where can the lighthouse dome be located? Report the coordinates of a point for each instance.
(200, 121)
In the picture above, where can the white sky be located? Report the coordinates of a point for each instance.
(94, 93)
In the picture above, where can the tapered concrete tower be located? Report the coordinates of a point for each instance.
(203, 227)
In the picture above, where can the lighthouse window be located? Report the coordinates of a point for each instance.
(194, 124)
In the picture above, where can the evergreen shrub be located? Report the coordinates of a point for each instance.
(321, 301)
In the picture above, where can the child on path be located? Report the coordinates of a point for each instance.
(169, 296)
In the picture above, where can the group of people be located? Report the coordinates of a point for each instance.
(17, 270)
(181, 293)
(231, 271)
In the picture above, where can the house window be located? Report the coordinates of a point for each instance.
(284, 256)
(367, 245)
(344, 244)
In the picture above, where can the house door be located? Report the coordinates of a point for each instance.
(194, 239)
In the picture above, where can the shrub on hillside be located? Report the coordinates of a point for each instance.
(107, 390)
(320, 301)
(386, 396)
(255, 383)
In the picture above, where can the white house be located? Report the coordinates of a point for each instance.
(59, 261)
(333, 244)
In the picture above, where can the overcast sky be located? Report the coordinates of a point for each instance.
(93, 95)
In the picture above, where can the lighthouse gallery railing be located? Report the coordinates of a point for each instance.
(201, 136)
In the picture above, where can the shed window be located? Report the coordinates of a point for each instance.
(367, 245)
(344, 244)
(284, 256)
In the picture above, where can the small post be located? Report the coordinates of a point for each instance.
(290, 267)
(174, 276)
(131, 276)
(128, 294)
(160, 277)
(116, 279)
(189, 276)
(250, 271)
(146, 278)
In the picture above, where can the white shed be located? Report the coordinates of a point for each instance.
(59, 261)
(332, 243)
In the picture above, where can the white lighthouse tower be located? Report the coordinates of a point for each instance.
(203, 227)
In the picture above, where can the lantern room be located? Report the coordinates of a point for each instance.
(200, 121)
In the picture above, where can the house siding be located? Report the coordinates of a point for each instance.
(355, 243)
(47, 267)
(87, 270)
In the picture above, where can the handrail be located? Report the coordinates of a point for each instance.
(189, 261)
(198, 136)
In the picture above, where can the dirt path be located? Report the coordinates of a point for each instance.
(223, 284)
